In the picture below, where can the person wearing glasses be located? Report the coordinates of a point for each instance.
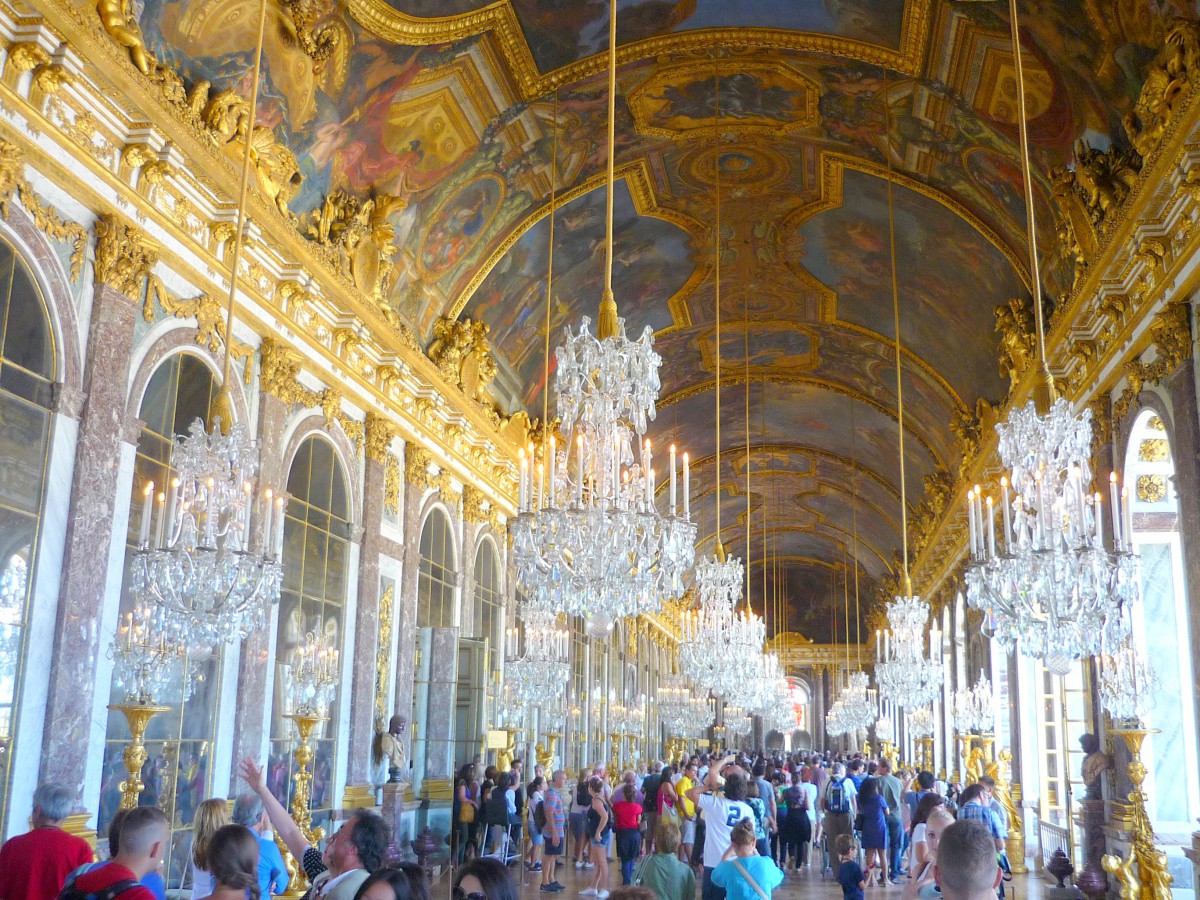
(485, 878)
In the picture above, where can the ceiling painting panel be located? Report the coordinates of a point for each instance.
(817, 600)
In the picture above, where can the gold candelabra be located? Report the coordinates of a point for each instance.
(963, 743)
(888, 751)
(301, 801)
(614, 739)
(1152, 881)
(925, 752)
(138, 715)
(546, 752)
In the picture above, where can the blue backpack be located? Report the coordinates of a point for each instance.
(836, 800)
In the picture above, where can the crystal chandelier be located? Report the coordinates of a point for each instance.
(719, 649)
(149, 655)
(196, 556)
(884, 729)
(1128, 685)
(1050, 587)
(312, 677)
(510, 709)
(920, 722)
(588, 538)
(904, 674)
(972, 709)
(856, 708)
(539, 671)
(737, 724)
(674, 703)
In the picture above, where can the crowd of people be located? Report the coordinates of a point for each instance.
(736, 824)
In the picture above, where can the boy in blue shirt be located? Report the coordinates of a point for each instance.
(850, 874)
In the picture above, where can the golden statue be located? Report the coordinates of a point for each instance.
(998, 769)
(1125, 874)
(121, 26)
(1015, 324)
(974, 765)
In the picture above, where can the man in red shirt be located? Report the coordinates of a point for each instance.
(34, 865)
(143, 843)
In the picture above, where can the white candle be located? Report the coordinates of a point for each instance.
(878, 643)
(162, 519)
(1116, 510)
(540, 497)
(673, 495)
(268, 511)
(553, 452)
(687, 490)
(147, 507)
(1098, 512)
(1004, 500)
(1127, 509)
(279, 520)
(991, 524)
(885, 646)
(971, 522)
(522, 478)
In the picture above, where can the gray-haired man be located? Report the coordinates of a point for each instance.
(272, 875)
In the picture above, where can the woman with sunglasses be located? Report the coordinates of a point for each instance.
(484, 879)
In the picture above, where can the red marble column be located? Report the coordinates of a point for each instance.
(103, 427)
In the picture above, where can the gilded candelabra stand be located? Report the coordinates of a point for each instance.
(614, 769)
(301, 801)
(546, 752)
(889, 752)
(138, 715)
(963, 743)
(925, 752)
(505, 754)
(1151, 881)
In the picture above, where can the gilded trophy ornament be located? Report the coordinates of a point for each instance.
(1169, 79)
(124, 255)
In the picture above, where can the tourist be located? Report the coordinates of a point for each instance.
(580, 804)
(599, 829)
(272, 874)
(922, 883)
(650, 785)
(210, 816)
(233, 853)
(965, 865)
(484, 879)
(924, 785)
(797, 826)
(685, 808)
(153, 880)
(849, 874)
(758, 806)
(627, 813)
(34, 865)
(872, 813)
(142, 845)
(767, 795)
(745, 874)
(632, 892)
(351, 853)
(891, 790)
(838, 805)
(721, 814)
(536, 794)
(386, 883)
(554, 834)
(975, 807)
(664, 873)
(465, 811)
(919, 853)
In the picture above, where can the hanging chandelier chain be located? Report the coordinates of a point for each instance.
(550, 273)
(717, 284)
(612, 143)
(243, 189)
(1027, 178)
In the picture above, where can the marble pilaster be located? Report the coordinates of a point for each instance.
(439, 729)
(816, 727)
(1186, 446)
(406, 602)
(251, 717)
(103, 428)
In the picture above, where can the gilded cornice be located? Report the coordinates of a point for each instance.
(45, 219)
(94, 124)
(501, 21)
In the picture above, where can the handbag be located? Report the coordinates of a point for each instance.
(466, 813)
(737, 864)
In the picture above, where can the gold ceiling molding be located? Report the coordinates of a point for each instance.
(501, 21)
(811, 380)
(640, 182)
(45, 219)
(832, 166)
(210, 316)
(809, 361)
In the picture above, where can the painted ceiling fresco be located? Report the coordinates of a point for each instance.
(474, 112)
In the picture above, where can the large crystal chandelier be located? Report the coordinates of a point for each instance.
(149, 655)
(536, 658)
(859, 701)
(588, 538)
(737, 725)
(675, 707)
(1128, 685)
(920, 722)
(905, 675)
(314, 670)
(719, 647)
(196, 556)
(1050, 587)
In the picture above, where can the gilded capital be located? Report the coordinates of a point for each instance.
(279, 370)
(124, 256)
(416, 466)
(473, 511)
(379, 436)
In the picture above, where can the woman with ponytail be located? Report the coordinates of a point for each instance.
(233, 862)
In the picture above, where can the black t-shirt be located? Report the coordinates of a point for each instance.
(650, 790)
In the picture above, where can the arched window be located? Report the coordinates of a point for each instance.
(1160, 625)
(437, 578)
(316, 546)
(178, 769)
(27, 367)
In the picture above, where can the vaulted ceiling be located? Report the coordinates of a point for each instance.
(475, 112)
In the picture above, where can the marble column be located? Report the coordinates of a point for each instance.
(816, 725)
(1186, 454)
(366, 625)
(78, 641)
(251, 718)
(415, 485)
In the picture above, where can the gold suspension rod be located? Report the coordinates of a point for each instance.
(717, 289)
(550, 288)
(606, 327)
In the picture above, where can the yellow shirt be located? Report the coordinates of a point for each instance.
(682, 786)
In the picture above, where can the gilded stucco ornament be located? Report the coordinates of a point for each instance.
(317, 39)
(118, 21)
(1104, 178)
(1015, 324)
(210, 318)
(280, 370)
(473, 505)
(124, 256)
(1169, 79)
(47, 221)
(359, 233)
(416, 467)
(461, 351)
(379, 434)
